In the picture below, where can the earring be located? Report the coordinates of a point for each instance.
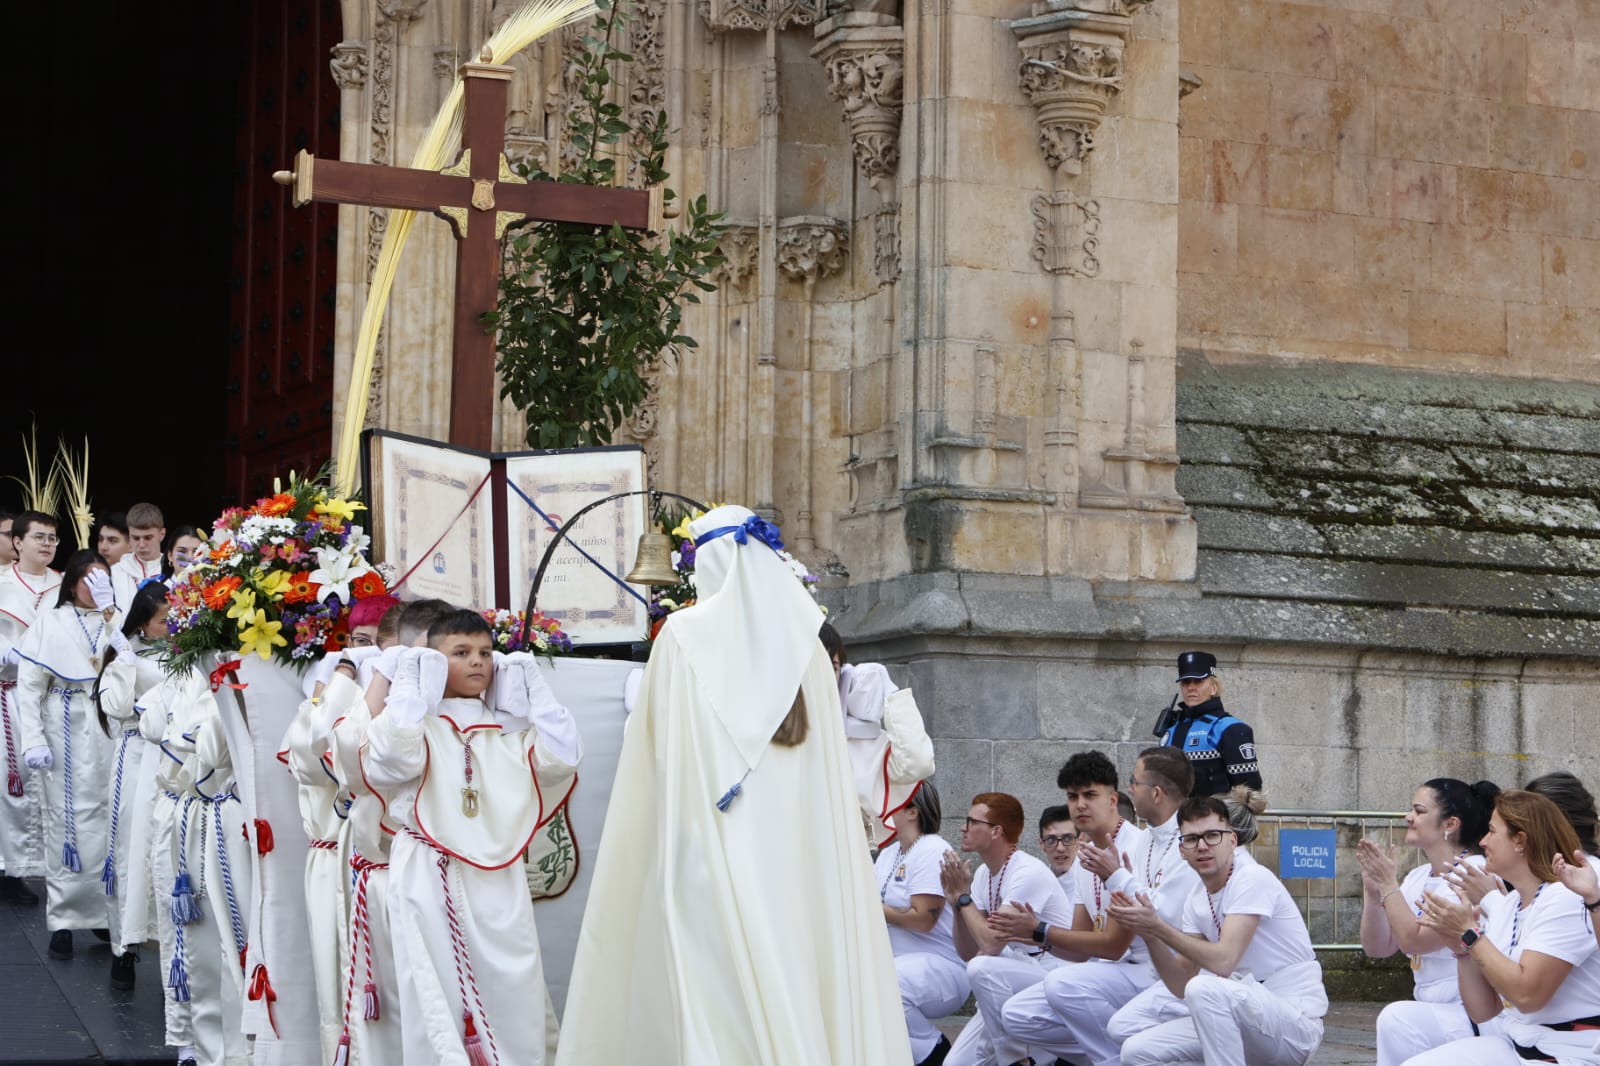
(1447, 836)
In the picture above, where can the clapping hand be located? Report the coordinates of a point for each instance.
(1379, 870)
(1016, 922)
(1447, 913)
(1581, 878)
(1471, 881)
(1102, 862)
(954, 875)
(1134, 912)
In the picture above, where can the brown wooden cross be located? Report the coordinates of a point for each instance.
(480, 196)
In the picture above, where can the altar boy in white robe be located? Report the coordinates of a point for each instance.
(469, 796)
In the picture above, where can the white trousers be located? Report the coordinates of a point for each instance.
(984, 1041)
(1230, 1023)
(1495, 1048)
(1407, 1028)
(930, 987)
(1067, 1012)
(1145, 1011)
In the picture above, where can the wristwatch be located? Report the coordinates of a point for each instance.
(963, 900)
(1469, 938)
(1041, 932)
(1592, 906)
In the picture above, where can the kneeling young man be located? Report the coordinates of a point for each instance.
(1241, 962)
(469, 797)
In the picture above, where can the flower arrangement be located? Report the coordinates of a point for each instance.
(545, 636)
(277, 580)
(667, 599)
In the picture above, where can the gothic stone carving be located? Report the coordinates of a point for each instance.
(1072, 66)
(739, 246)
(349, 64)
(812, 247)
(1066, 234)
(724, 15)
(886, 244)
(863, 60)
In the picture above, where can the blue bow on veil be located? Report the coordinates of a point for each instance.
(754, 526)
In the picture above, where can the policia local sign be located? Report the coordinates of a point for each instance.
(1306, 852)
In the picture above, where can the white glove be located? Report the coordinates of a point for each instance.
(511, 683)
(119, 641)
(99, 583)
(357, 656)
(408, 702)
(10, 657)
(388, 661)
(433, 674)
(39, 758)
(863, 693)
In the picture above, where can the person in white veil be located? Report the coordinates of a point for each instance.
(733, 916)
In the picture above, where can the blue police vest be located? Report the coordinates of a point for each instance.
(1205, 734)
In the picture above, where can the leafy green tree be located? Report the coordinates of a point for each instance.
(586, 311)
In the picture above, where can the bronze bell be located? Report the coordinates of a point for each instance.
(652, 563)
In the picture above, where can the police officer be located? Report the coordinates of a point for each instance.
(1220, 748)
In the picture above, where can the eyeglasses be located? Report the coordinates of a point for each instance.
(1191, 841)
(1058, 842)
(978, 821)
(43, 538)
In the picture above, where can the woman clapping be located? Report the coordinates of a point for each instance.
(1530, 973)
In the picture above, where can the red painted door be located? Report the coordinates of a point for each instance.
(281, 320)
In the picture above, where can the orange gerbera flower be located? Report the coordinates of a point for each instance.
(301, 589)
(273, 506)
(338, 638)
(220, 592)
(227, 550)
(368, 584)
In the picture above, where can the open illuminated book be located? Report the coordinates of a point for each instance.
(470, 527)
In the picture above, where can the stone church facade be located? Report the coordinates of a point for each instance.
(1062, 338)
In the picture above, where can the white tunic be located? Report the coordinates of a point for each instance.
(132, 788)
(126, 575)
(61, 659)
(466, 948)
(21, 801)
(889, 767)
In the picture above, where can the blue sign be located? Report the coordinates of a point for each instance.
(1306, 852)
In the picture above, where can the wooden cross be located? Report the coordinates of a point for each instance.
(480, 196)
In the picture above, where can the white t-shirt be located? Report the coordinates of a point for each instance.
(1434, 972)
(903, 873)
(1069, 886)
(1554, 924)
(1095, 897)
(1024, 879)
(1281, 938)
(1160, 872)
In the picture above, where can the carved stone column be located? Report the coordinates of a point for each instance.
(1072, 65)
(863, 55)
(810, 248)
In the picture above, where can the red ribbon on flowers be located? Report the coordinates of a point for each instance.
(220, 676)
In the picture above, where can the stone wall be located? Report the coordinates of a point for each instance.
(1407, 182)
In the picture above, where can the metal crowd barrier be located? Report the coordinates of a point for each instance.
(1332, 906)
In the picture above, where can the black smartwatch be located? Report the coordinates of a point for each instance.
(1592, 906)
(1469, 938)
(1041, 932)
(963, 900)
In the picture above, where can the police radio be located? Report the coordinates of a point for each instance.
(1169, 718)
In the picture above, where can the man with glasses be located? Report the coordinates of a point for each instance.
(1240, 959)
(25, 584)
(996, 967)
(1058, 841)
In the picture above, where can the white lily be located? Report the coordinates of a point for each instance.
(336, 569)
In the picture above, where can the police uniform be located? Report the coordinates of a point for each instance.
(1220, 748)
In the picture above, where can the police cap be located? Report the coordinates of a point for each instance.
(1193, 665)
